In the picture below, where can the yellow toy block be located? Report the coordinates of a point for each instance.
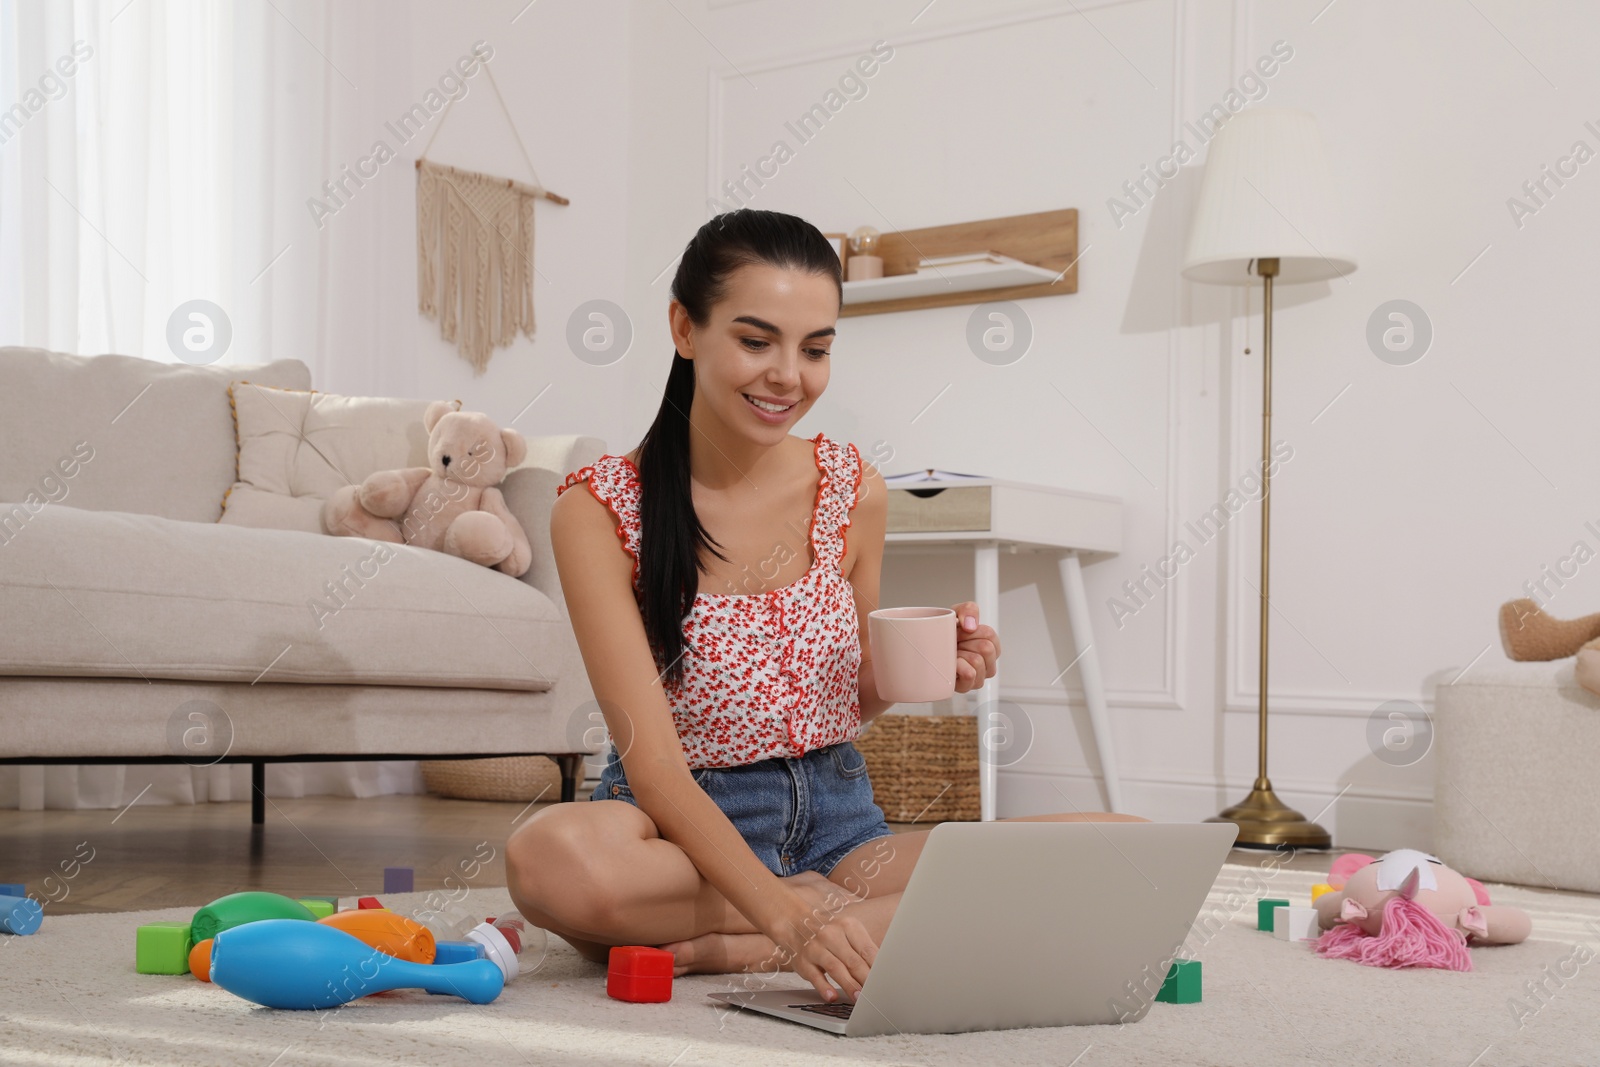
(1319, 889)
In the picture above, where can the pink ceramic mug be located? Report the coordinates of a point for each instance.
(913, 653)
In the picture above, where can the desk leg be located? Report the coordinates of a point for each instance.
(1094, 695)
(986, 580)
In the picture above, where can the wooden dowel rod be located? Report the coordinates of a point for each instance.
(510, 184)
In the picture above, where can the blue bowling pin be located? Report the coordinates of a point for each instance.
(287, 963)
(20, 914)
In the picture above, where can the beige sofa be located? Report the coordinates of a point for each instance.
(138, 628)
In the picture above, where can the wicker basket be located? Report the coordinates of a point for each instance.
(519, 778)
(924, 768)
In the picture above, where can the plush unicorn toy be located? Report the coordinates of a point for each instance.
(1410, 910)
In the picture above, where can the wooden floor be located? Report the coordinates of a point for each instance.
(171, 856)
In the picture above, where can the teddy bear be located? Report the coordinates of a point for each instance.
(1409, 910)
(1527, 632)
(452, 505)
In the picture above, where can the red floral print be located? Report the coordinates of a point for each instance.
(766, 675)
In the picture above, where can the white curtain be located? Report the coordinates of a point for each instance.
(146, 150)
(153, 153)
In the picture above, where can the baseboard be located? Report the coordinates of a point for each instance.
(1358, 817)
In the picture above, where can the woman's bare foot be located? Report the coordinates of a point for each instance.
(723, 954)
(727, 953)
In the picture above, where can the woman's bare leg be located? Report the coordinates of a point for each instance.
(599, 874)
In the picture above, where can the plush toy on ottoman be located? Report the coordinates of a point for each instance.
(453, 504)
(1528, 633)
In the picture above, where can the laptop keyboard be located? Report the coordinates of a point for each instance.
(832, 1011)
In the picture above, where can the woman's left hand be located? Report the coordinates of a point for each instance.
(977, 647)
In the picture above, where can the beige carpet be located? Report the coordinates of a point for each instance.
(68, 995)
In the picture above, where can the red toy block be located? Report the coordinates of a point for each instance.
(639, 974)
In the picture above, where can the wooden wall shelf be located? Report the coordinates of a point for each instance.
(1047, 239)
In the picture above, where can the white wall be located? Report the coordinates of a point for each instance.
(1417, 499)
(562, 70)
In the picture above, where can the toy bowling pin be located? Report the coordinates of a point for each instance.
(285, 963)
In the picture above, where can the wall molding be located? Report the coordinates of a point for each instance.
(1228, 784)
(753, 64)
(1306, 704)
(1332, 706)
(1360, 816)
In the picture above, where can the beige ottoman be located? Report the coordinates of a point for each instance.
(1516, 783)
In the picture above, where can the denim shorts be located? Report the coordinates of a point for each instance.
(796, 815)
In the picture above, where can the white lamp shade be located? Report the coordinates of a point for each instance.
(1267, 192)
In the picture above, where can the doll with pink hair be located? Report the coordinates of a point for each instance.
(1410, 910)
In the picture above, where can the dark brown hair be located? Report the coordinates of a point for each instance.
(671, 536)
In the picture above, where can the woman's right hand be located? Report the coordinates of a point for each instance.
(820, 944)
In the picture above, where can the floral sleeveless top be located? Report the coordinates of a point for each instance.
(766, 675)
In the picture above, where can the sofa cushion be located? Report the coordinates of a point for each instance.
(139, 436)
(297, 447)
(113, 594)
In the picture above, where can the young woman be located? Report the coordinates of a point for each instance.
(720, 608)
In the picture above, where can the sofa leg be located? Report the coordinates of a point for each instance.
(258, 793)
(571, 768)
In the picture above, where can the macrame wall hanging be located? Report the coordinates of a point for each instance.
(475, 249)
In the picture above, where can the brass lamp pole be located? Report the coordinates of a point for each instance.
(1264, 820)
(1267, 209)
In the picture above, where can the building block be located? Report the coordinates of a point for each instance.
(331, 898)
(1293, 923)
(1182, 984)
(639, 974)
(398, 879)
(13, 889)
(1264, 912)
(162, 948)
(370, 904)
(1319, 889)
(320, 906)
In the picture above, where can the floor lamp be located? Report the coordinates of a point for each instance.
(1267, 211)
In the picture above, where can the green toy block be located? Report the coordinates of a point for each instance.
(320, 906)
(1182, 985)
(1264, 912)
(331, 898)
(162, 948)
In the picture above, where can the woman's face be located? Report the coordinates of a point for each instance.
(769, 338)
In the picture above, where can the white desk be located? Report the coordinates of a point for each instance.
(988, 514)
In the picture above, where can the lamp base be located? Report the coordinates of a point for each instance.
(1264, 821)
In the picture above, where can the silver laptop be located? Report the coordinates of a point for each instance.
(1014, 924)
